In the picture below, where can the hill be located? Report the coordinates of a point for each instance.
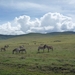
(3, 37)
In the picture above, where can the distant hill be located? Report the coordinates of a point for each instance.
(3, 37)
(61, 33)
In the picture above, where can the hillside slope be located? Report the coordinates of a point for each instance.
(3, 37)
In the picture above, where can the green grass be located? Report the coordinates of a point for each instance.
(60, 61)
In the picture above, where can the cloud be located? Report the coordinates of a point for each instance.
(50, 22)
(8, 29)
(22, 5)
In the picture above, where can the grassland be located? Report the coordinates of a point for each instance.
(60, 61)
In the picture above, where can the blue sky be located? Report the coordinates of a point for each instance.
(42, 16)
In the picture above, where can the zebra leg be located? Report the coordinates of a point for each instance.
(4, 49)
(38, 50)
(12, 52)
(25, 51)
(19, 51)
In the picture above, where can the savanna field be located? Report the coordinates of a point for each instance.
(60, 61)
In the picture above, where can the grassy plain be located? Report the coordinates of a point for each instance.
(60, 61)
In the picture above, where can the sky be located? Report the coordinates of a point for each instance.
(36, 16)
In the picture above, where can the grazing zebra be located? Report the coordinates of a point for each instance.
(3, 48)
(41, 48)
(22, 50)
(19, 49)
(49, 47)
(16, 50)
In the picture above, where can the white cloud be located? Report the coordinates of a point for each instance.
(8, 29)
(50, 22)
